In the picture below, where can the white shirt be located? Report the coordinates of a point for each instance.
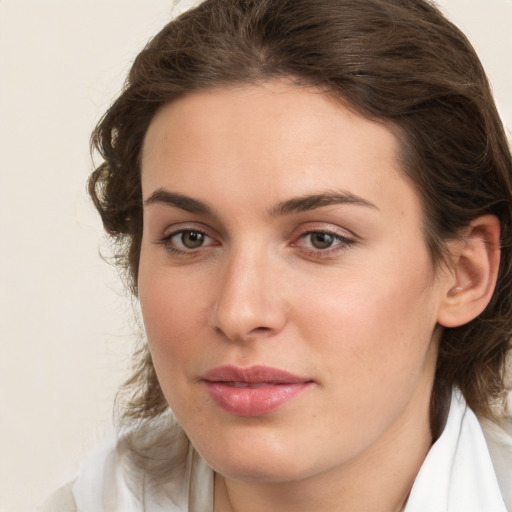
(457, 475)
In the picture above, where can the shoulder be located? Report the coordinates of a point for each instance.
(151, 467)
(61, 500)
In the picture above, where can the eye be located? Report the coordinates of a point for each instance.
(186, 240)
(326, 242)
(321, 240)
(191, 239)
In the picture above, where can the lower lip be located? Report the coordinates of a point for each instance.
(254, 401)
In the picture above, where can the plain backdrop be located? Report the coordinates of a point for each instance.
(66, 323)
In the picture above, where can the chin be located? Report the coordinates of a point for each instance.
(258, 470)
(262, 458)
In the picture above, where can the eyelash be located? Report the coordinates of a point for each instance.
(166, 241)
(340, 242)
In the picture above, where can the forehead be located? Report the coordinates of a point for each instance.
(269, 141)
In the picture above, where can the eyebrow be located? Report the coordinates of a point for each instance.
(311, 202)
(166, 197)
(283, 208)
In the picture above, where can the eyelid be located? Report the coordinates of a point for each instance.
(176, 227)
(341, 238)
(324, 227)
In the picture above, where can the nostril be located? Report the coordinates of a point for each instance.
(261, 329)
(251, 334)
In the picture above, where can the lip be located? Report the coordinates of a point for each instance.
(253, 391)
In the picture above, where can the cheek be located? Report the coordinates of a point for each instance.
(172, 320)
(173, 311)
(165, 311)
(376, 325)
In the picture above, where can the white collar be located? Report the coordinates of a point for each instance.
(457, 474)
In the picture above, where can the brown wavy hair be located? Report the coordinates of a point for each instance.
(398, 62)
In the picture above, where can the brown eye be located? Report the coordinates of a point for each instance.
(321, 240)
(186, 241)
(192, 239)
(323, 244)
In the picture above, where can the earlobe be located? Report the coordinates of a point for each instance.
(474, 271)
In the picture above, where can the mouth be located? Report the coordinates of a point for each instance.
(253, 391)
(250, 385)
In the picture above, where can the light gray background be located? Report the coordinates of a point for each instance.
(66, 324)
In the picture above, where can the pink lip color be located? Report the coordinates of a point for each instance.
(253, 391)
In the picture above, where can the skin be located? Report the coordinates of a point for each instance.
(359, 318)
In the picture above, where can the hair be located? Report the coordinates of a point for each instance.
(397, 62)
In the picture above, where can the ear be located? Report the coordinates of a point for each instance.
(475, 260)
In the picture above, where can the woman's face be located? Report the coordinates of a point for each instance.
(286, 289)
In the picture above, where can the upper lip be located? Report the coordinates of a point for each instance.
(253, 375)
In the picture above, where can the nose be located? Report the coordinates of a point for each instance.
(249, 303)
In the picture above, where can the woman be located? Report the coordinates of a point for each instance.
(312, 201)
